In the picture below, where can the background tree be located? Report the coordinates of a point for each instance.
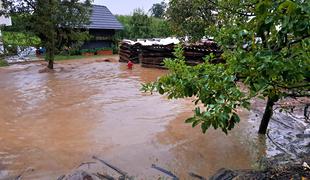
(191, 17)
(266, 45)
(125, 33)
(139, 25)
(160, 28)
(158, 10)
(47, 18)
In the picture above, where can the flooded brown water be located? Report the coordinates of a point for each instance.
(52, 122)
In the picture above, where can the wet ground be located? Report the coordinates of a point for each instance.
(52, 122)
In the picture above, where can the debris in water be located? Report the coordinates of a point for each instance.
(123, 173)
(165, 171)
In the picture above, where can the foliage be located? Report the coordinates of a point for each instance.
(190, 17)
(20, 23)
(20, 39)
(88, 51)
(158, 9)
(160, 28)
(267, 47)
(74, 52)
(66, 37)
(68, 57)
(3, 63)
(135, 28)
(126, 32)
(72, 57)
(104, 49)
(140, 24)
(73, 38)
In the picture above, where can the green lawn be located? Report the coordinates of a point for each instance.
(62, 57)
(3, 63)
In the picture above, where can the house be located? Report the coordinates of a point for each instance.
(103, 26)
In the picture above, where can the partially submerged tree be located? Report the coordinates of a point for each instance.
(267, 47)
(48, 18)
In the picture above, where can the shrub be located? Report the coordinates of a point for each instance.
(88, 51)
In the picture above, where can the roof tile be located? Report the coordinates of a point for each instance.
(102, 18)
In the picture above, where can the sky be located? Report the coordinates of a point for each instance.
(126, 7)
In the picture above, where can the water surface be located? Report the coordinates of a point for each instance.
(52, 122)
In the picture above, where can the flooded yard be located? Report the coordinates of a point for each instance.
(52, 122)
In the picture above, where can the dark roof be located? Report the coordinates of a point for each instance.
(102, 18)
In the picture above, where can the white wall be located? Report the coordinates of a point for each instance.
(5, 20)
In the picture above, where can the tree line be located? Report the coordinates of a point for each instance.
(140, 25)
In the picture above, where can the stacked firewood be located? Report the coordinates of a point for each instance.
(153, 56)
(129, 52)
(195, 54)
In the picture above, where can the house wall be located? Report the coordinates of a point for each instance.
(101, 38)
(6, 21)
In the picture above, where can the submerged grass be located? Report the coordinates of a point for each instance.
(63, 58)
(3, 63)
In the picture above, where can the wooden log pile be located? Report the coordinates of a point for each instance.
(153, 56)
(129, 52)
(195, 54)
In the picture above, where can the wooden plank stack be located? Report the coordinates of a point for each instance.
(195, 54)
(129, 52)
(153, 55)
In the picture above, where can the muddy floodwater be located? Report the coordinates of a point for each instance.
(52, 122)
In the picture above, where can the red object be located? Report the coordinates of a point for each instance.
(129, 65)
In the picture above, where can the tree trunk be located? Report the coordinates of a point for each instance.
(50, 64)
(50, 57)
(267, 115)
(51, 51)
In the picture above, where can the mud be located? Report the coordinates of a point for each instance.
(52, 122)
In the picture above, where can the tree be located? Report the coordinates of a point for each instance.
(156, 28)
(125, 33)
(190, 17)
(160, 28)
(140, 24)
(46, 18)
(158, 10)
(266, 45)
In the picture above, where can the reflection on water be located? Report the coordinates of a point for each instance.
(52, 122)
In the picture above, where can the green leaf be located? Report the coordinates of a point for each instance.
(235, 118)
(205, 126)
(195, 123)
(190, 120)
(161, 90)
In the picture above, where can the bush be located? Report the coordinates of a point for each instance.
(74, 52)
(115, 49)
(103, 49)
(88, 51)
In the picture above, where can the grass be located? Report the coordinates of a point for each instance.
(63, 57)
(3, 63)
